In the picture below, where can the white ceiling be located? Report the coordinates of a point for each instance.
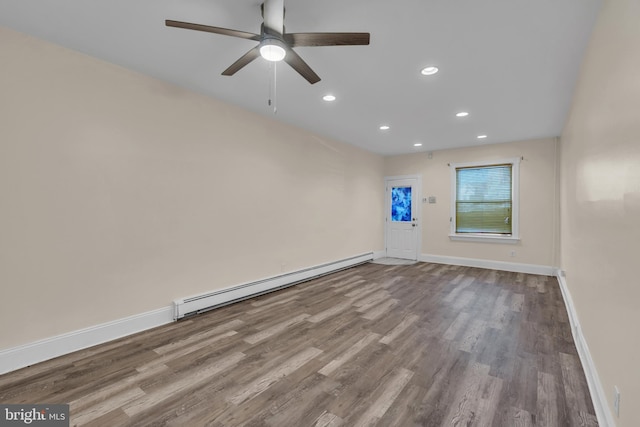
(512, 64)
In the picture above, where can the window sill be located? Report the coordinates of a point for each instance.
(484, 238)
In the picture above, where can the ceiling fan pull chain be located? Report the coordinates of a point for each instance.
(275, 88)
(270, 83)
(273, 97)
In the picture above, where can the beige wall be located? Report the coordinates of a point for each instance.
(600, 210)
(121, 193)
(538, 201)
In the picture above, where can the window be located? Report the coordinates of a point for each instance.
(484, 202)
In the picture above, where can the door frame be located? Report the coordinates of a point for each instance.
(387, 207)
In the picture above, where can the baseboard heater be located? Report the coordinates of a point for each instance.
(200, 303)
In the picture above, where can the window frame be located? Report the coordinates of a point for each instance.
(514, 237)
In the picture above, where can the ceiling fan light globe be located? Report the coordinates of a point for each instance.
(272, 51)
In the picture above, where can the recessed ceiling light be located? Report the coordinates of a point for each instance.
(481, 136)
(429, 71)
(384, 127)
(329, 98)
(462, 114)
(417, 144)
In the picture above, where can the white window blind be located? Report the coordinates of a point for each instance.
(484, 200)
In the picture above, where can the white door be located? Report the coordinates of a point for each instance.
(402, 218)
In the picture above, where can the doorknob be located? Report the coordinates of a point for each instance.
(413, 225)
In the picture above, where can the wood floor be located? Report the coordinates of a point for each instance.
(407, 345)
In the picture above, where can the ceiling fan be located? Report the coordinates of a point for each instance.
(276, 45)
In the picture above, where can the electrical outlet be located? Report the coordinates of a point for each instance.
(513, 253)
(616, 401)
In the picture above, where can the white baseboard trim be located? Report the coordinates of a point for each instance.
(598, 396)
(210, 300)
(543, 270)
(48, 348)
(379, 254)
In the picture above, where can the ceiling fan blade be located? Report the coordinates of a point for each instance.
(326, 39)
(298, 64)
(244, 60)
(210, 29)
(273, 14)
